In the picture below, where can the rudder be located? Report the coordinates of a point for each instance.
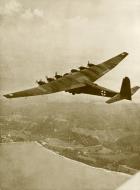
(125, 91)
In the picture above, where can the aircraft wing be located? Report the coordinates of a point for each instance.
(47, 88)
(72, 80)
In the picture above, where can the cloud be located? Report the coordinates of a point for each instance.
(38, 13)
(30, 14)
(15, 9)
(11, 8)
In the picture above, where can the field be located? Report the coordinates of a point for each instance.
(97, 134)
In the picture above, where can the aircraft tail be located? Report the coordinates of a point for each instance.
(126, 92)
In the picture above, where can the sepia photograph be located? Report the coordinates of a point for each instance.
(69, 95)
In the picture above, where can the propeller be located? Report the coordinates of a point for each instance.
(46, 77)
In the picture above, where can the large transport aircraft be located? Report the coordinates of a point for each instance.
(82, 81)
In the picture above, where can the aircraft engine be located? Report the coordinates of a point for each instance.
(82, 68)
(57, 76)
(40, 82)
(90, 64)
(65, 74)
(74, 70)
(49, 79)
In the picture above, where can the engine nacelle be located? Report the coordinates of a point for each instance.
(82, 68)
(90, 64)
(50, 79)
(40, 82)
(57, 76)
(74, 70)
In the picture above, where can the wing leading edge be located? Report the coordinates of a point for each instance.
(72, 80)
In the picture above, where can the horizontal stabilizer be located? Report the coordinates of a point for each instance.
(134, 89)
(115, 98)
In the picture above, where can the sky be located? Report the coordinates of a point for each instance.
(40, 37)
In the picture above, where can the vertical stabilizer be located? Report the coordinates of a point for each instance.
(125, 91)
